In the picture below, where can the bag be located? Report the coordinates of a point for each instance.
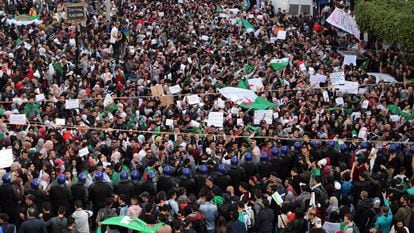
(322, 196)
(248, 211)
(354, 227)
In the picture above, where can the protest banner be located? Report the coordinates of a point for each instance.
(17, 119)
(342, 20)
(6, 158)
(72, 103)
(215, 119)
(337, 78)
(266, 115)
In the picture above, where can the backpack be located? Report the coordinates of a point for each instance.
(354, 227)
(321, 196)
(249, 212)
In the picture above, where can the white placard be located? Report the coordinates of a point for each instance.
(60, 121)
(339, 101)
(364, 104)
(17, 119)
(108, 100)
(277, 198)
(161, 14)
(341, 19)
(325, 96)
(337, 78)
(194, 124)
(272, 39)
(193, 99)
(84, 151)
(234, 11)
(362, 90)
(6, 158)
(348, 87)
(205, 38)
(169, 122)
(215, 119)
(281, 35)
(40, 97)
(350, 59)
(239, 122)
(260, 115)
(395, 118)
(72, 103)
(275, 115)
(317, 78)
(175, 89)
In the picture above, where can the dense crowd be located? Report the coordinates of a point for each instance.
(125, 150)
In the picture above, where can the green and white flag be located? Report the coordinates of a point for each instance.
(132, 223)
(24, 20)
(247, 26)
(279, 64)
(245, 98)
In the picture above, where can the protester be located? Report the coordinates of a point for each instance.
(202, 116)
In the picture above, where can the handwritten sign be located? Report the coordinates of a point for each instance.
(318, 78)
(84, 151)
(339, 101)
(6, 158)
(40, 97)
(281, 35)
(169, 122)
(72, 103)
(395, 118)
(157, 90)
(266, 115)
(60, 121)
(193, 99)
(175, 89)
(76, 12)
(348, 87)
(277, 198)
(364, 104)
(215, 119)
(337, 78)
(17, 119)
(350, 59)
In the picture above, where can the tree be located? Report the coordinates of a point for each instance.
(390, 20)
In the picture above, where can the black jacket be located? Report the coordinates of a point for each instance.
(264, 221)
(9, 201)
(98, 192)
(33, 226)
(60, 196)
(126, 188)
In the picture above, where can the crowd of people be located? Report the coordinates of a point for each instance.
(126, 150)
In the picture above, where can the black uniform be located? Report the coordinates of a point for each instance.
(98, 192)
(263, 169)
(137, 186)
(237, 175)
(9, 201)
(200, 181)
(188, 183)
(223, 181)
(80, 192)
(165, 183)
(39, 195)
(126, 188)
(150, 187)
(249, 169)
(60, 195)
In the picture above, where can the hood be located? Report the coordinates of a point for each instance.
(365, 203)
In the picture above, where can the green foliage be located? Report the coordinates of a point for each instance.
(391, 20)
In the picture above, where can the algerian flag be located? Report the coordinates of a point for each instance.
(247, 26)
(132, 223)
(279, 64)
(246, 98)
(24, 20)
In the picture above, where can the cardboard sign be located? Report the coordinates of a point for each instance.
(350, 59)
(339, 101)
(6, 158)
(83, 152)
(60, 121)
(281, 35)
(169, 122)
(17, 119)
(193, 99)
(40, 97)
(175, 89)
(166, 100)
(215, 119)
(277, 198)
(72, 103)
(337, 78)
(317, 78)
(75, 12)
(266, 115)
(157, 90)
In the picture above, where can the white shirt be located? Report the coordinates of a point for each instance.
(114, 35)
